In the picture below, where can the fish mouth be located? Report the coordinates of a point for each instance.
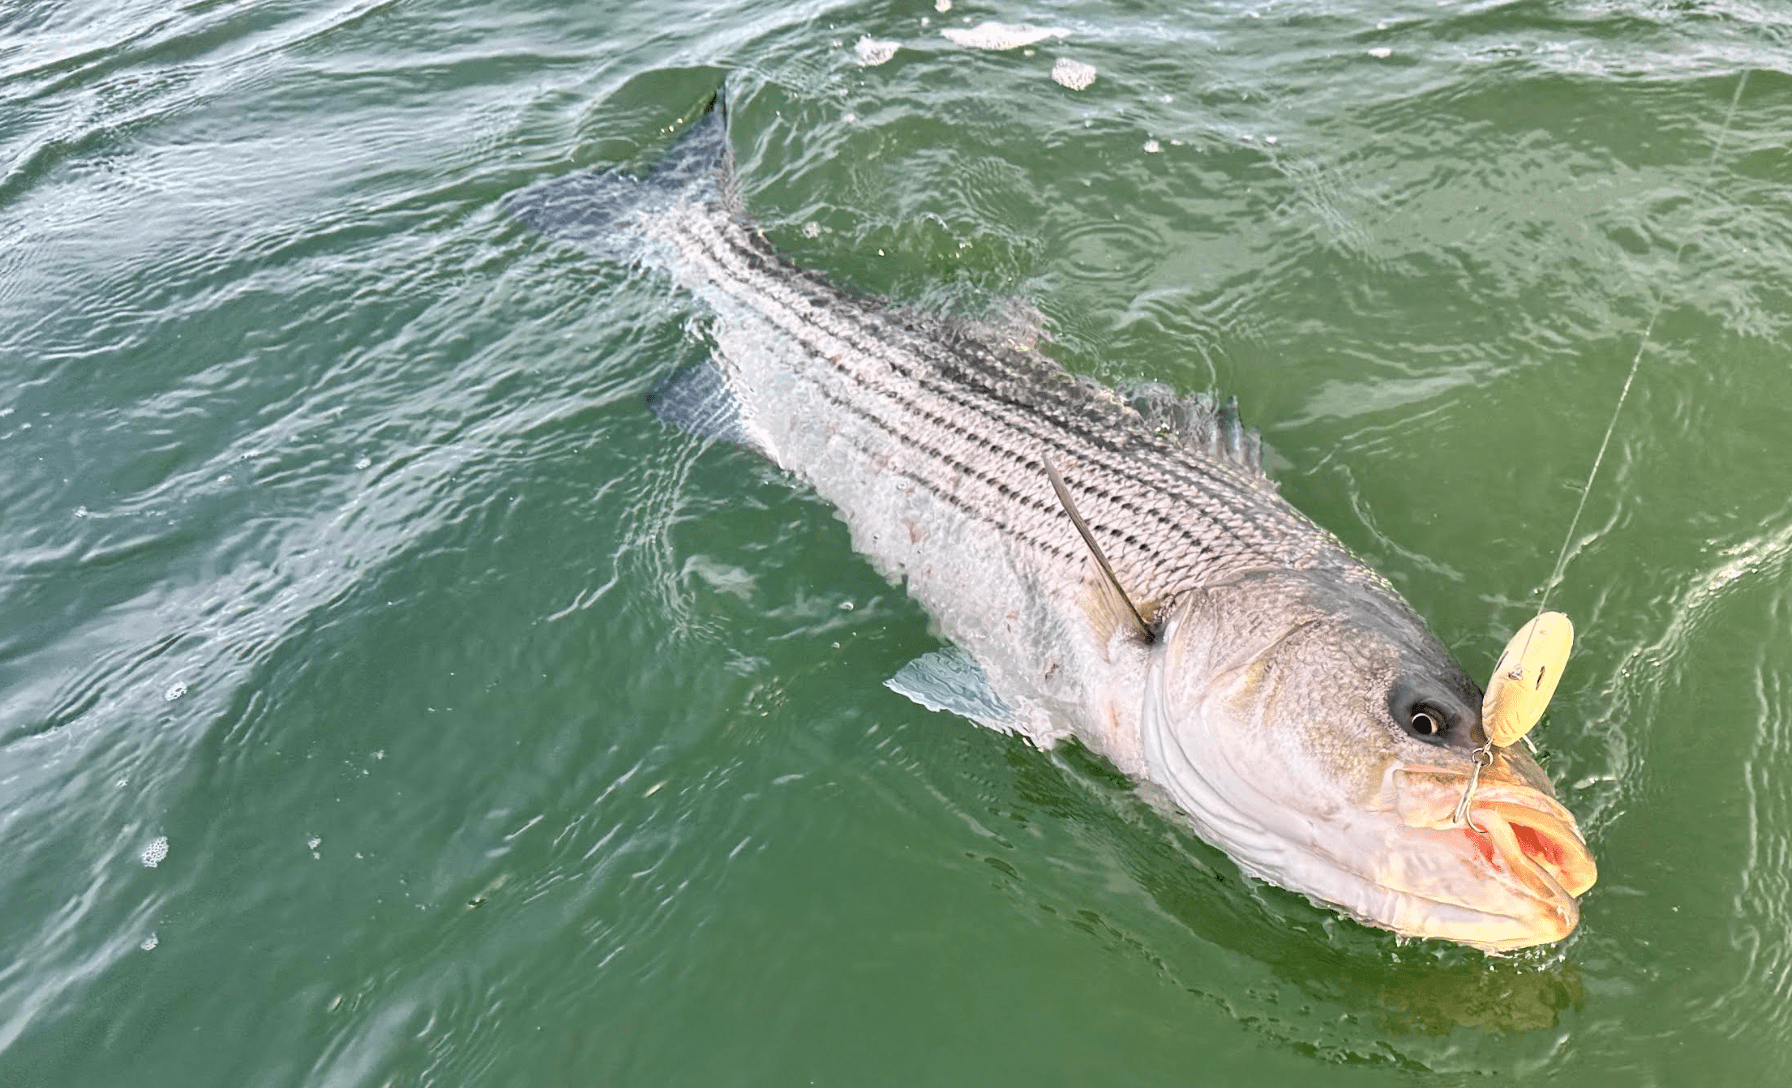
(1516, 837)
(1533, 842)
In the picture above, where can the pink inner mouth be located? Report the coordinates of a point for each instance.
(1519, 834)
(1514, 829)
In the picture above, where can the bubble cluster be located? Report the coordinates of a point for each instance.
(1073, 73)
(1001, 36)
(873, 52)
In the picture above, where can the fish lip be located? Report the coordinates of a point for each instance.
(1516, 828)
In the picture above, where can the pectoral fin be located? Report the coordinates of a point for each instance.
(698, 401)
(949, 680)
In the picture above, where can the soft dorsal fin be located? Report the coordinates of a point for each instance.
(1114, 600)
(1202, 422)
(1014, 325)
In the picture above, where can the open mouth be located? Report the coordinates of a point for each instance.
(1533, 844)
(1513, 828)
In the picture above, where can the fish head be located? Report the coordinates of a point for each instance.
(1318, 732)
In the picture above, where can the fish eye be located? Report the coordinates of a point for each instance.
(1425, 723)
(1422, 714)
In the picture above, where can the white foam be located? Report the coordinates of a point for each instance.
(175, 691)
(1073, 73)
(154, 853)
(873, 52)
(1001, 36)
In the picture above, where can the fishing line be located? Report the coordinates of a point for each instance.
(1636, 360)
(1483, 756)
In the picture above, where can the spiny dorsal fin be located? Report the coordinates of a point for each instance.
(1114, 594)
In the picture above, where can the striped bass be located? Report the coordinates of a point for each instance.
(1286, 699)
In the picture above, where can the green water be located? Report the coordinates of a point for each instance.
(497, 735)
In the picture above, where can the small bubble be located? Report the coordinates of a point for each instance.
(1381, 53)
(1269, 139)
(364, 463)
(80, 511)
(149, 943)
(942, 6)
(811, 230)
(1152, 147)
(846, 606)
(155, 852)
(313, 842)
(175, 691)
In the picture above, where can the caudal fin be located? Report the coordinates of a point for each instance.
(599, 210)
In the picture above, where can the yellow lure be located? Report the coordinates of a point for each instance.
(1525, 677)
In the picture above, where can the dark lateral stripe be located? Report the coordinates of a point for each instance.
(988, 515)
(1005, 401)
(976, 366)
(771, 272)
(985, 475)
(1022, 415)
(951, 357)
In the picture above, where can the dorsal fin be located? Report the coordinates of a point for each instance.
(1202, 422)
(1113, 595)
(1014, 325)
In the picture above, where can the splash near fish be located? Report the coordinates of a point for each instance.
(1117, 570)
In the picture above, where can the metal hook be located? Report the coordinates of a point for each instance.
(1483, 758)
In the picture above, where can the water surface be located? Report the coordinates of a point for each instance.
(387, 698)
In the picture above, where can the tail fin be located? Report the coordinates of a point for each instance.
(596, 210)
